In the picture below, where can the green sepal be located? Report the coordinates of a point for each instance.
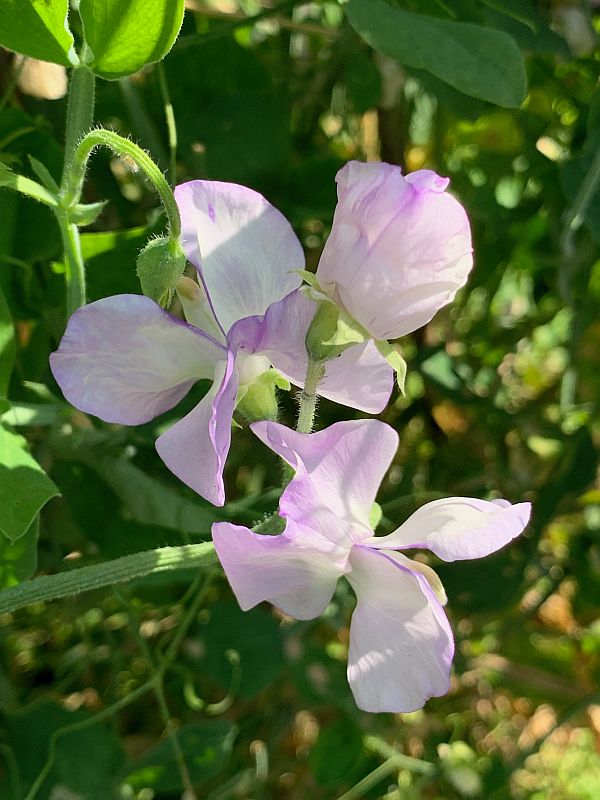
(310, 278)
(375, 516)
(19, 183)
(85, 213)
(331, 332)
(394, 359)
(159, 267)
(44, 175)
(258, 400)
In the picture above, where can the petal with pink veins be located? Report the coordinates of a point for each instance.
(126, 360)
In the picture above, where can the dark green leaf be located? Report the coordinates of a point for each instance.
(96, 747)
(18, 560)
(125, 35)
(38, 28)
(7, 345)
(478, 61)
(24, 486)
(206, 747)
(254, 635)
(338, 753)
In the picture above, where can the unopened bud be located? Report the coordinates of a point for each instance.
(159, 266)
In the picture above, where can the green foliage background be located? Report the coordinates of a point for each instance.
(502, 396)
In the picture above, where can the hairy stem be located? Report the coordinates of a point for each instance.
(80, 117)
(125, 149)
(84, 579)
(308, 399)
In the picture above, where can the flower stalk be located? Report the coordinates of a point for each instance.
(96, 576)
(308, 398)
(126, 149)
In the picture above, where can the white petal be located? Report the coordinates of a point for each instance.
(244, 249)
(338, 472)
(459, 528)
(126, 360)
(296, 571)
(401, 645)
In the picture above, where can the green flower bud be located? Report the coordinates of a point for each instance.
(159, 267)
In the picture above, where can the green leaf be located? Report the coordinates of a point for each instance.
(24, 486)
(18, 560)
(95, 745)
(38, 28)
(7, 345)
(145, 500)
(125, 35)
(338, 753)
(254, 635)
(206, 747)
(478, 61)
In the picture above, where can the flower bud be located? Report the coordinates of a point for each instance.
(159, 266)
(399, 249)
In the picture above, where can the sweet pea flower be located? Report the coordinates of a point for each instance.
(399, 248)
(126, 360)
(401, 644)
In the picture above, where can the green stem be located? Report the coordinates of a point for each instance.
(125, 149)
(75, 275)
(84, 579)
(80, 118)
(170, 120)
(80, 110)
(308, 399)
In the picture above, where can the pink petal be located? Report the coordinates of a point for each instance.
(359, 378)
(296, 571)
(401, 644)
(459, 528)
(244, 249)
(196, 447)
(126, 360)
(399, 249)
(338, 472)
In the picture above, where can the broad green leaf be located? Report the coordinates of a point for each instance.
(254, 635)
(338, 753)
(96, 746)
(24, 486)
(205, 746)
(39, 29)
(145, 500)
(18, 560)
(125, 35)
(478, 61)
(7, 345)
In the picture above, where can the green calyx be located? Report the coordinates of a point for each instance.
(258, 400)
(394, 359)
(159, 267)
(331, 332)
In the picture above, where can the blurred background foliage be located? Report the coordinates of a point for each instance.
(502, 399)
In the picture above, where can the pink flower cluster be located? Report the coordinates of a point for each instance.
(399, 250)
